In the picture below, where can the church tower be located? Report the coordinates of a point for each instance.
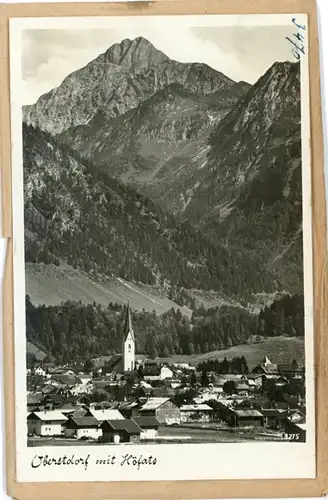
(128, 343)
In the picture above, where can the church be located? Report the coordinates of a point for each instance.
(128, 354)
(125, 361)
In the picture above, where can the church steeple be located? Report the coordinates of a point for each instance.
(128, 323)
(128, 343)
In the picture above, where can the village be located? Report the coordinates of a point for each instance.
(132, 399)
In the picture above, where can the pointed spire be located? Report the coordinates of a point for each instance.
(128, 323)
(266, 361)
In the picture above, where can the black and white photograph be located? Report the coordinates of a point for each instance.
(163, 285)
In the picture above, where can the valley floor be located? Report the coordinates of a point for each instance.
(182, 434)
(281, 349)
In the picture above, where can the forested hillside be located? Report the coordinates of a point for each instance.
(78, 214)
(74, 331)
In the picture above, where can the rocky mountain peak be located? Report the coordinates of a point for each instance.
(117, 81)
(136, 53)
(275, 92)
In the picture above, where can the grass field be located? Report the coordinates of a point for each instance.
(278, 350)
(51, 285)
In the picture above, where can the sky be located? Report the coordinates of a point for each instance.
(243, 53)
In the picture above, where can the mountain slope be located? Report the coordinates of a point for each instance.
(165, 125)
(232, 177)
(51, 285)
(254, 144)
(117, 81)
(251, 191)
(247, 148)
(242, 185)
(75, 214)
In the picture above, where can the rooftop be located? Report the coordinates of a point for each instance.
(56, 398)
(47, 416)
(34, 398)
(248, 413)
(273, 413)
(154, 403)
(199, 407)
(108, 414)
(128, 425)
(90, 422)
(129, 405)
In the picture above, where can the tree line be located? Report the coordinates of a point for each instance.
(235, 365)
(74, 331)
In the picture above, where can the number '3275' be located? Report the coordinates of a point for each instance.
(290, 437)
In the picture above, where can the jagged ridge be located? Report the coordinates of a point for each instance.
(116, 82)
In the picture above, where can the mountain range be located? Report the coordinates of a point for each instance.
(168, 174)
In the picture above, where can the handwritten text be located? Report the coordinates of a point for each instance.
(126, 460)
(45, 460)
(298, 40)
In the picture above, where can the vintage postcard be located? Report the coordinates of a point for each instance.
(162, 231)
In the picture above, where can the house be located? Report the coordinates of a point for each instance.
(218, 381)
(296, 416)
(82, 389)
(73, 411)
(245, 418)
(163, 409)
(255, 380)
(166, 373)
(102, 415)
(212, 393)
(151, 372)
(243, 388)
(163, 392)
(290, 370)
(34, 401)
(175, 383)
(283, 405)
(296, 432)
(40, 372)
(67, 371)
(46, 423)
(269, 380)
(83, 428)
(78, 368)
(142, 391)
(281, 381)
(48, 367)
(49, 389)
(113, 364)
(266, 368)
(77, 400)
(52, 401)
(130, 409)
(66, 378)
(274, 419)
(184, 366)
(121, 431)
(195, 412)
(149, 426)
(85, 378)
(141, 359)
